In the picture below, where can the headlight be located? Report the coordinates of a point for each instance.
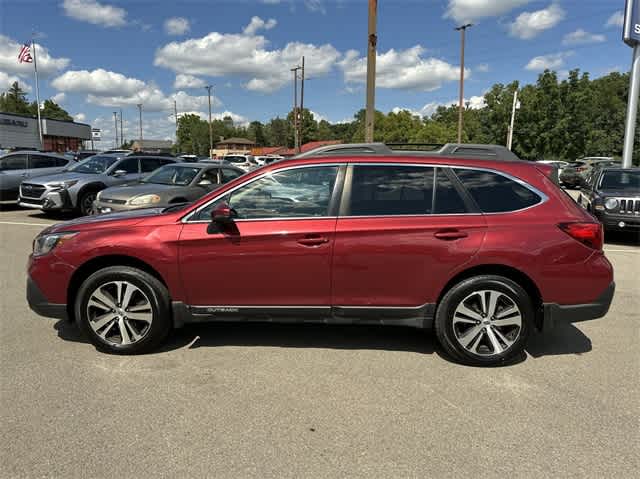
(611, 204)
(45, 243)
(145, 200)
(63, 185)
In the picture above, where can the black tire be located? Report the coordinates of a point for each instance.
(154, 291)
(444, 327)
(85, 202)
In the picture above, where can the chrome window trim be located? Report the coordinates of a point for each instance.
(543, 197)
(185, 218)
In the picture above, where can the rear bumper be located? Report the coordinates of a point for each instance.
(40, 305)
(557, 313)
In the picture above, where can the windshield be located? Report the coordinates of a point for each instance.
(621, 180)
(235, 159)
(172, 175)
(94, 164)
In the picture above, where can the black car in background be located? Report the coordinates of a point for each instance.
(613, 196)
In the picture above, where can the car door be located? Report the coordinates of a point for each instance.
(40, 165)
(402, 230)
(275, 255)
(130, 167)
(14, 169)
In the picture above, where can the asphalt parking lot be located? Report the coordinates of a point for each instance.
(307, 401)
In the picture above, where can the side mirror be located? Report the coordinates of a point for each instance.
(223, 214)
(119, 173)
(205, 183)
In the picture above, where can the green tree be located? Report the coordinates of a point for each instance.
(15, 101)
(53, 111)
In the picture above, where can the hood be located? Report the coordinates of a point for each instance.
(620, 194)
(124, 219)
(127, 192)
(65, 176)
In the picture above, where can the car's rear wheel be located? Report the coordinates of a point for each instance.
(85, 203)
(123, 310)
(484, 320)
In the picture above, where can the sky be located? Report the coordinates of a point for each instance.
(99, 56)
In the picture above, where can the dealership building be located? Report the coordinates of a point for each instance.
(17, 131)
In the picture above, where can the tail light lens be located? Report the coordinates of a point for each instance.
(590, 234)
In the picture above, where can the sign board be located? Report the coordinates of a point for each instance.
(631, 31)
(96, 134)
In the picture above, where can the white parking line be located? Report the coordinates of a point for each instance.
(24, 224)
(636, 251)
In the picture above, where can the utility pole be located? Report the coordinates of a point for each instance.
(462, 29)
(296, 135)
(115, 119)
(513, 117)
(301, 119)
(208, 87)
(121, 129)
(175, 114)
(371, 71)
(140, 113)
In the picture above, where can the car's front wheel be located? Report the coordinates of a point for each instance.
(484, 320)
(123, 310)
(85, 203)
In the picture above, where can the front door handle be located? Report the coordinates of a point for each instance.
(313, 240)
(450, 235)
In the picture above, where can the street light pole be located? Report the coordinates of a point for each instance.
(296, 135)
(371, 71)
(209, 87)
(513, 118)
(462, 29)
(121, 129)
(115, 119)
(140, 122)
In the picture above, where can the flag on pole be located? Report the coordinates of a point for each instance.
(25, 54)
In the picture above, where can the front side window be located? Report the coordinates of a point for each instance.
(295, 193)
(228, 174)
(13, 162)
(130, 165)
(391, 190)
(494, 193)
(150, 164)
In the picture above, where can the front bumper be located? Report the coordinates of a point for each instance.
(573, 313)
(41, 306)
(49, 201)
(618, 222)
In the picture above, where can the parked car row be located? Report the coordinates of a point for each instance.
(573, 174)
(57, 183)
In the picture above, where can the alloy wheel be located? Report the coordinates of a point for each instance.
(119, 313)
(487, 323)
(87, 204)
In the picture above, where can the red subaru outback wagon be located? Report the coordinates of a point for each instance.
(482, 251)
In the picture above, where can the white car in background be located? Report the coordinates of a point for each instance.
(242, 161)
(267, 159)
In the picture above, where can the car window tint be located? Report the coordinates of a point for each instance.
(150, 164)
(13, 162)
(495, 193)
(130, 165)
(295, 193)
(391, 190)
(41, 161)
(61, 162)
(448, 200)
(228, 174)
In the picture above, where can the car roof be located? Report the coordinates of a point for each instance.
(36, 152)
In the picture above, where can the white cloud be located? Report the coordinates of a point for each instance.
(176, 26)
(616, 20)
(188, 81)
(47, 64)
(474, 102)
(530, 24)
(258, 23)
(315, 6)
(548, 62)
(270, 2)
(107, 88)
(482, 68)
(59, 98)
(318, 117)
(7, 80)
(582, 37)
(403, 69)
(463, 11)
(95, 13)
(80, 117)
(220, 54)
(238, 120)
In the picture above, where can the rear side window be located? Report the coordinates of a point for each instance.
(150, 164)
(495, 193)
(41, 161)
(391, 190)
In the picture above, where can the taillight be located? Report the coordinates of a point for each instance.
(590, 234)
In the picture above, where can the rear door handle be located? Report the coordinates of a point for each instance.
(450, 235)
(313, 240)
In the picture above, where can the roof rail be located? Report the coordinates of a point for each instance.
(462, 150)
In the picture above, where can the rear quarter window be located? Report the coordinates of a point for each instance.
(494, 193)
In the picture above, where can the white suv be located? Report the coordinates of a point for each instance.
(267, 159)
(244, 162)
